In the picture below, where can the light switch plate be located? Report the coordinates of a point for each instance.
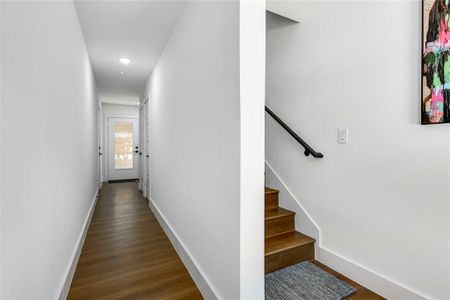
(343, 135)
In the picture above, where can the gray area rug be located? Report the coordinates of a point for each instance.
(305, 281)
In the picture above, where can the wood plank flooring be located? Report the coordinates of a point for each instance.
(127, 255)
(362, 293)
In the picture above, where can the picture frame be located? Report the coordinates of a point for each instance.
(435, 62)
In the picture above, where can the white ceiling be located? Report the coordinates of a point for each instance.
(138, 30)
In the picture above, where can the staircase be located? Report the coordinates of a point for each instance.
(283, 245)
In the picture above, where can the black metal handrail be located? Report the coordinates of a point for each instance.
(308, 149)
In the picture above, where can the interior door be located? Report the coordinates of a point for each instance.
(100, 150)
(141, 154)
(123, 135)
(147, 147)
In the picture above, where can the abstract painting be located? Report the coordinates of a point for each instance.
(436, 62)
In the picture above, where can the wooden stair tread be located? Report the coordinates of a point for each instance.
(285, 241)
(283, 245)
(277, 213)
(270, 191)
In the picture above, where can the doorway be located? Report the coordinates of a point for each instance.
(123, 135)
(100, 143)
(144, 141)
(146, 147)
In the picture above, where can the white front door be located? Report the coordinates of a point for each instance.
(123, 148)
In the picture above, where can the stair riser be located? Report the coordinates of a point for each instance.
(288, 257)
(271, 201)
(279, 225)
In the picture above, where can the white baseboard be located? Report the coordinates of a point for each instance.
(378, 283)
(64, 286)
(204, 285)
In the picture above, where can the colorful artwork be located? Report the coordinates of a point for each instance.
(436, 62)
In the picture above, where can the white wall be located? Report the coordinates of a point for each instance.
(49, 145)
(252, 54)
(199, 110)
(116, 110)
(382, 200)
(195, 139)
(119, 99)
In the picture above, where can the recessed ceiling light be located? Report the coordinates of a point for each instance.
(122, 72)
(125, 60)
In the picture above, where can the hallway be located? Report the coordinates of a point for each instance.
(127, 254)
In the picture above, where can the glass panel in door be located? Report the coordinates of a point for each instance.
(123, 145)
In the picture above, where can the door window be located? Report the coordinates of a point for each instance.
(123, 145)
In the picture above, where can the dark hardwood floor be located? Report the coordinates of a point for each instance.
(127, 255)
(362, 293)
